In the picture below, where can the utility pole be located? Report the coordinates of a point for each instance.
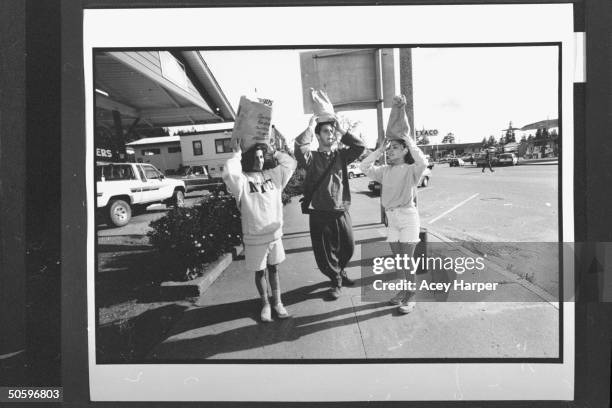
(406, 85)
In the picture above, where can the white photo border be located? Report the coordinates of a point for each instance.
(343, 25)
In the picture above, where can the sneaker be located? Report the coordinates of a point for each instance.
(397, 299)
(281, 312)
(266, 313)
(335, 292)
(408, 304)
(346, 281)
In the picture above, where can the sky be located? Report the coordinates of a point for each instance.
(472, 92)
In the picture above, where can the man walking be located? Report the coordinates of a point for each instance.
(327, 196)
(487, 162)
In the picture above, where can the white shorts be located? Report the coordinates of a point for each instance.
(403, 224)
(258, 256)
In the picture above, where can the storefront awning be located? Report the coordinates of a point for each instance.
(157, 89)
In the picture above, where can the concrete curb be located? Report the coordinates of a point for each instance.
(508, 275)
(196, 287)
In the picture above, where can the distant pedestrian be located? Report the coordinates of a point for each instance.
(487, 162)
(327, 197)
(399, 178)
(257, 186)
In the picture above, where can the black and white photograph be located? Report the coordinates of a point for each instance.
(176, 280)
(342, 203)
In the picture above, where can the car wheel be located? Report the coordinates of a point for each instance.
(178, 199)
(351, 175)
(425, 182)
(119, 213)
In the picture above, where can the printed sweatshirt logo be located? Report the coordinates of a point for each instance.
(261, 187)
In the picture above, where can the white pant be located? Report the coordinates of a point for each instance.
(403, 224)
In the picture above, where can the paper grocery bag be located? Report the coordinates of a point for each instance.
(398, 126)
(322, 106)
(253, 122)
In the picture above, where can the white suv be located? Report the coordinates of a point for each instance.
(353, 170)
(124, 188)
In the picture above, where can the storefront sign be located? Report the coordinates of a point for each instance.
(429, 132)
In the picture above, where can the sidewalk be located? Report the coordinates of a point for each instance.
(547, 160)
(225, 322)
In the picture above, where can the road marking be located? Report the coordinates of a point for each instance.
(452, 209)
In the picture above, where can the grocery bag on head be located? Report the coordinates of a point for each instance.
(322, 106)
(398, 126)
(252, 124)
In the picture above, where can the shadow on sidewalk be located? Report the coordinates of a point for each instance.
(257, 335)
(132, 339)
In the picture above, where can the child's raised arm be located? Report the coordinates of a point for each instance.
(367, 165)
(420, 161)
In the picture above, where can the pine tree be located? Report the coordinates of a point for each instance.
(491, 141)
(538, 134)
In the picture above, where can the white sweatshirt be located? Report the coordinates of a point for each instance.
(259, 197)
(398, 181)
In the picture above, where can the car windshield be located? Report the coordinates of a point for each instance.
(182, 171)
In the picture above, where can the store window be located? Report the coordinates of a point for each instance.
(174, 149)
(223, 145)
(197, 148)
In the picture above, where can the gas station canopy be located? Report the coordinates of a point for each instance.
(157, 89)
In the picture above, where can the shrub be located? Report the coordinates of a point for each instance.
(187, 238)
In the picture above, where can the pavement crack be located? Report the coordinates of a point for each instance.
(365, 351)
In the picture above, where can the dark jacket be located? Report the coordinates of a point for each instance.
(330, 196)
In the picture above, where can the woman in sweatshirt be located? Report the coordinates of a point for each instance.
(257, 188)
(399, 178)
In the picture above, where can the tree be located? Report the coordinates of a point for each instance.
(484, 142)
(502, 140)
(523, 139)
(449, 138)
(538, 135)
(347, 123)
(545, 134)
(423, 141)
(554, 135)
(491, 141)
(510, 137)
(530, 138)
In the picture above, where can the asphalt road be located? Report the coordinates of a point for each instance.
(513, 204)
(139, 224)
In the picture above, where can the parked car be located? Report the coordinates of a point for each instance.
(126, 188)
(468, 158)
(481, 160)
(508, 158)
(197, 178)
(375, 186)
(354, 170)
(456, 162)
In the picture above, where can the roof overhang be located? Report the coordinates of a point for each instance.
(157, 89)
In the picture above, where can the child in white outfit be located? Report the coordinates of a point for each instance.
(399, 178)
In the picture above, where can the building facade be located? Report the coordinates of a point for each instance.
(210, 149)
(162, 152)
